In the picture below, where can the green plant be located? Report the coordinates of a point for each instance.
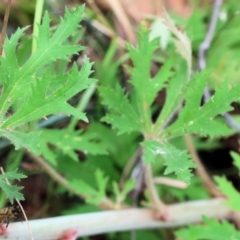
(42, 83)
(30, 91)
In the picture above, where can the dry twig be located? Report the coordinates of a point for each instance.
(4, 28)
(207, 181)
(80, 225)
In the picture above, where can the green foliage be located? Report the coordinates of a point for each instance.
(44, 83)
(92, 195)
(180, 165)
(70, 141)
(30, 86)
(134, 113)
(30, 90)
(122, 195)
(232, 194)
(11, 192)
(194, 118)
(123, 117)
(212, 230)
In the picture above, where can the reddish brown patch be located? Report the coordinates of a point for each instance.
(68, 235)
(3, 230)
(163, 216)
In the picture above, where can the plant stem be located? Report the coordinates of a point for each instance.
(5, 23)
(159, 208)
(37, 20)
(89, 224)
(207, 181)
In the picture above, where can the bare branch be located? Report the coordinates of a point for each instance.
(121, 220)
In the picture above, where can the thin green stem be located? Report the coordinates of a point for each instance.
(37, 20)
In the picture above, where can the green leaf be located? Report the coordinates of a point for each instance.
(29, 141)
(123, 116)
(211, 230)
(177, 161)
(145, 86)
(30, 90)
(101, 182)
(92, 195)
(121, 195)
(232, 194)
(135, 115)
(129, 185)
(17, 79)
(11, 191)
(194, 118)
(174, 96)
(39, 104)
(69, 141)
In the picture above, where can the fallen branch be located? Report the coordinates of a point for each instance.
(80, 225)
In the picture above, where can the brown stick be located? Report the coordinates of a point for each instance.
(159, 208)
(89, 224)
(207, 181)
(5, 23)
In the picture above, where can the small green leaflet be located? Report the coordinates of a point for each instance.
(232, 194)
(92, 195)
(11, 191)
(122, 115)
(174, 96)
(177, 161)
(145, 86)
(121, 195)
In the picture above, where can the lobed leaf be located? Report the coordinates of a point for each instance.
(122, 116)
(12, 192)
(40, 103)
(194, 118)
(232, 194)
(18, 79)
(29, 141)
(177, 161)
